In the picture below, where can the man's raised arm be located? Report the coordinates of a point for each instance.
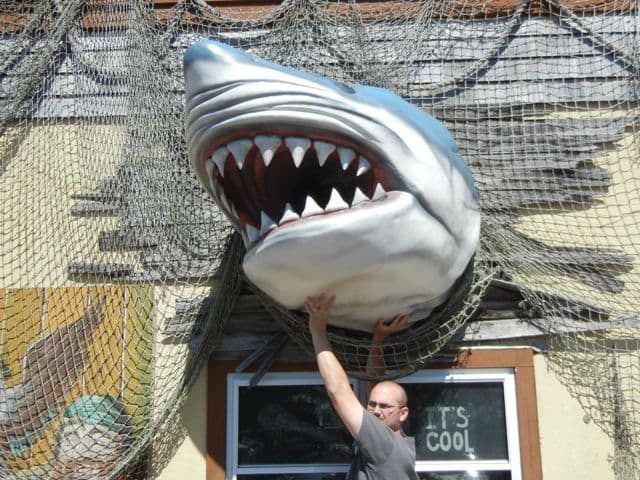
(333, 375)
(375, 360)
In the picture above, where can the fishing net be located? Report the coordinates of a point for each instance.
(117, 272)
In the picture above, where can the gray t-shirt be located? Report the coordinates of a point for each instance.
(381, 454)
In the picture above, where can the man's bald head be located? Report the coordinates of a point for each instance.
(394, 390)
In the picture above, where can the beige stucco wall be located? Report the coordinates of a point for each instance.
(571, 448)
(39, 236)
(611, 222)
(189, 459)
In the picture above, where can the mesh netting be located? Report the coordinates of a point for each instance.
(117, 272)
(407, 350)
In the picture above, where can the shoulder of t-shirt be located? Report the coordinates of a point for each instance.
(372, 425)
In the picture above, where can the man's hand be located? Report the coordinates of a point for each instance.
(383, 330)
(333, 375)
(319, 309)
(375, 361)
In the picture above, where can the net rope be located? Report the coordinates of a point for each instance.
(118, 273)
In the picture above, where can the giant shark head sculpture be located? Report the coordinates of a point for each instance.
(345, 189)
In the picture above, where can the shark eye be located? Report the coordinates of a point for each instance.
(344, 87)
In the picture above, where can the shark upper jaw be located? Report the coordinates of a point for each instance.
(308, 168)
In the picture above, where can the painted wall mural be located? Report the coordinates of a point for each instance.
(76, 378)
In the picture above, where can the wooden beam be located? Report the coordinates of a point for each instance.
(101, 14)
(378, 8)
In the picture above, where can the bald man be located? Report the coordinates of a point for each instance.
(383, 452)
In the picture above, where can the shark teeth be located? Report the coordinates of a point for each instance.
(346, 156)
(289, 215)
(223, 200)
(252, 233)
(298, 148)
(323, 150)
(219, 158)
(239, 150)
(379, 193)
(335, 202)
(358, 197)
(363, 166)
(266, 224)
(267, 146)
(311, 208)
(233, 210)
(213, 185)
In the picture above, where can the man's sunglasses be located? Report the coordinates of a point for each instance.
(383, 406)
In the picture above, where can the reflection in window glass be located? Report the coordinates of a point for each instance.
(290, 425)
(457, 421)
(471, 475)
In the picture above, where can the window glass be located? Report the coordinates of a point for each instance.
(457, 421)
(293, 424)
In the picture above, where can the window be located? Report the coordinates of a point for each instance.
(284, 428)
(465, 424)
(477, 420)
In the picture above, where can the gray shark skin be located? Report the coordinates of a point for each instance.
(336, 188)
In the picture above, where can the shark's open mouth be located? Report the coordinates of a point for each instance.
(269, 180)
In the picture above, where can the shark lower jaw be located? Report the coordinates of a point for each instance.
(267, 180)
(379, 259)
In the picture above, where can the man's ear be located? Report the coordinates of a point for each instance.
(404, 413)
